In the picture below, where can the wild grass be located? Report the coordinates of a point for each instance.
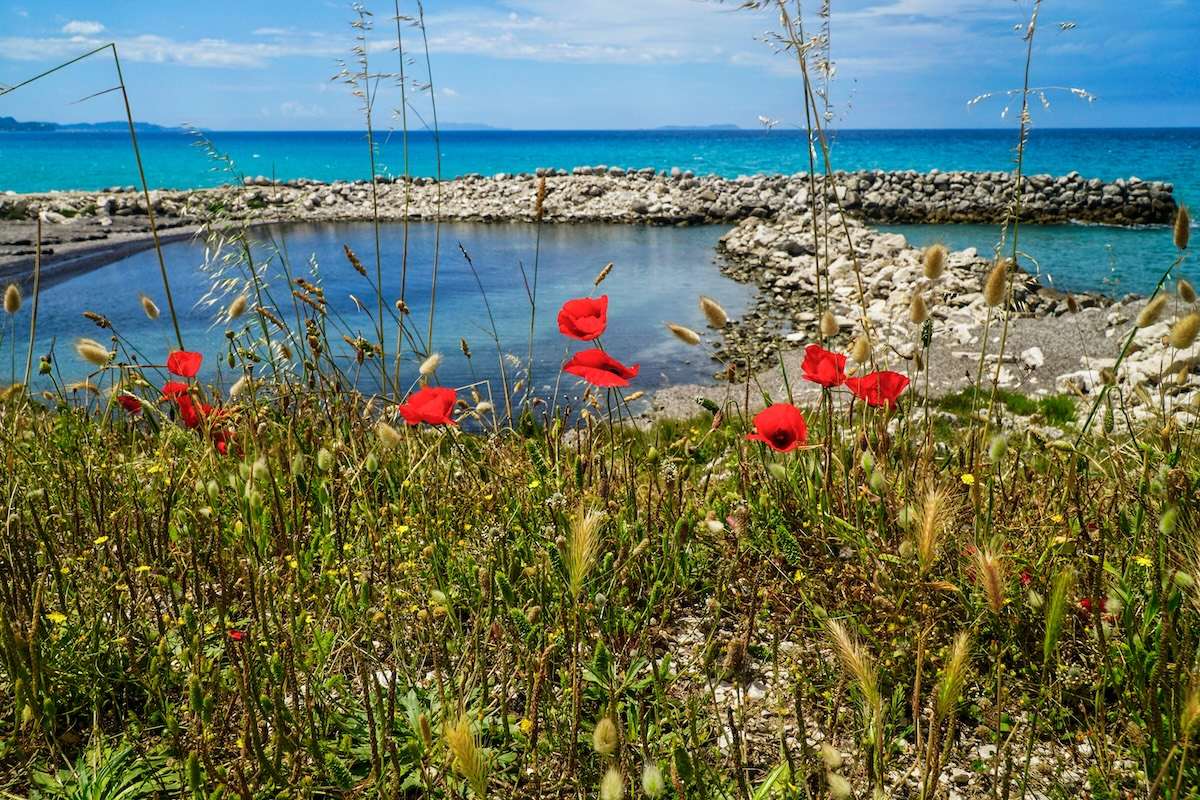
(299, 595)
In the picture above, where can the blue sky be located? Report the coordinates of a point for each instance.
(601, 64)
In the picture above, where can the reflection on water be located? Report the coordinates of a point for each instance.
(491, 281)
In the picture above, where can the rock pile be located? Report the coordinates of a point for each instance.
(614, 194)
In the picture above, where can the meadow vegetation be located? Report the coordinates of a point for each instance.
(323, 574)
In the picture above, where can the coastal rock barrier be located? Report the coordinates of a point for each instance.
(866, 278)
(614, 194)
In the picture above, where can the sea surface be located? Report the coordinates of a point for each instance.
(665, 268)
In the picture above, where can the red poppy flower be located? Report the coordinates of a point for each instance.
(599, 369)
(1086, 605)
(130, 403)
(237, 635)
(823, 367)
(184, 364)
(585, 318)
(879, 388)
(431, 404)
(780, 426)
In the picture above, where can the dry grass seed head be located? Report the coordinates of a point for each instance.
(918, 312)
(1183, 227)
(934, 517)
(1183, 332)
(993, 288)
(12, 299)
(713, 312)
(991, 577)
(238, 306)
(603, 274)
(430, 364)
(583, 546)
(829, 324)
(612, 785)
(92, 351)
(934, 261)
(685, 335)
(149, 307)
(1152, 311)
(856, 662)
(861, 351)
(1187, 292)
(604, 738)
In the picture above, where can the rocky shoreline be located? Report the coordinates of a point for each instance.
(774, 244)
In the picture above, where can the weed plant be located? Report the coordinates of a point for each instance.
(294, 587)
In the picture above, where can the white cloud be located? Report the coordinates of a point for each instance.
(215, 53)
(292, 108)
(82, 27)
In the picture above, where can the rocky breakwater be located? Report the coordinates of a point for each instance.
(1043, 342)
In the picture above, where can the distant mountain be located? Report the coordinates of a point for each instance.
(11, 125)
(468, 126)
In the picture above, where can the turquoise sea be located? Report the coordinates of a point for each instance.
(665, 268)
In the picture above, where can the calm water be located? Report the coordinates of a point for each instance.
(659, 271)
(657, 277)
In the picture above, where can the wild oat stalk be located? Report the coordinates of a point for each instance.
(857, 662)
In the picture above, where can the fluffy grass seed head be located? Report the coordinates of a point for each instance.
(933, 517)
(612, 785)
(1183, 332)
(388, 436)
(839, 786)
(685, 335)
(856, 662)
(12, 299)
(238, 306)
(713, 312)
(861, 351)
(1152, 311)
(1183, 227)
(430, 364)
(469, 758)
(604, 738)
(92, 351)
(1186, 292)
(583, 545)
(918, 312)
(993, 288)
(652, 780)
(934, 261)
(149, 307)
(954, 677)
(829, 324)
(991, 576)
(1056, 611)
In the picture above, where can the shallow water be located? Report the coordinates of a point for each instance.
(658, 275)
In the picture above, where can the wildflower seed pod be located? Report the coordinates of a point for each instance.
(1183, 332)
(1152, 311)
(12, 299)
(685, 335)
(934, 262)
(1187, 292)
(1183, 228)
(918, 312)
(713, 312)
(829, 324)
(993, 288)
